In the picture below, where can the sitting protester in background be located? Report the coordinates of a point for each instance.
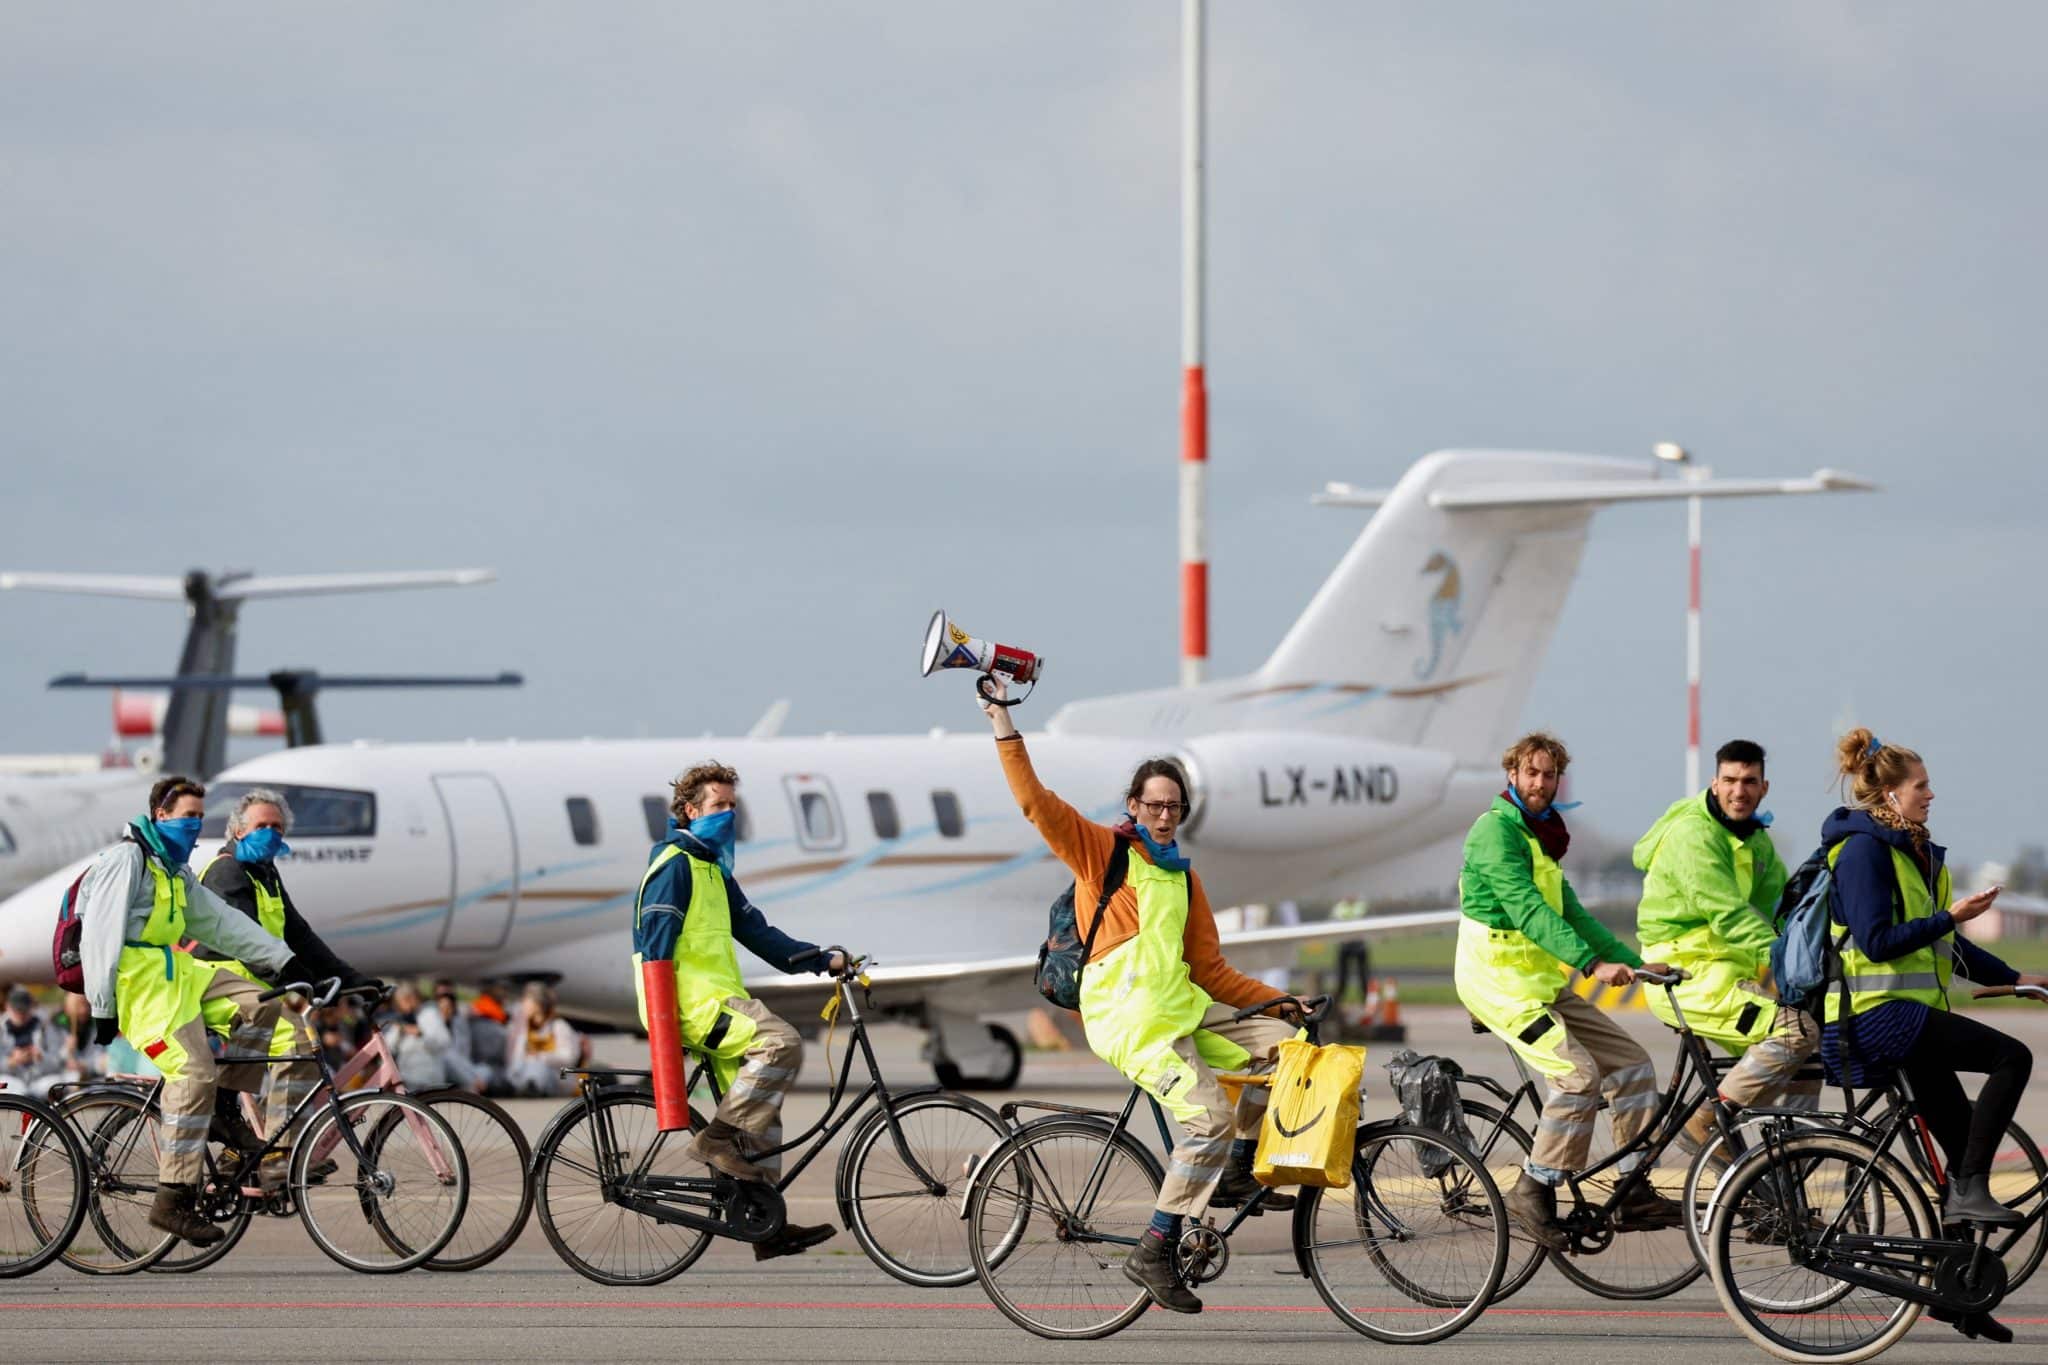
(31, 1050)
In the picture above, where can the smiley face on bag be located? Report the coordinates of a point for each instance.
(1291, 1101)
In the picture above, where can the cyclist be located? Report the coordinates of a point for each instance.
(690, 909)
(1892, 893)
(1157, 1000)
(1522, 935)
(135, 904)
(245, 875)
(1711, 882)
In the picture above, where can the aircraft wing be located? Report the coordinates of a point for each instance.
(992, 985)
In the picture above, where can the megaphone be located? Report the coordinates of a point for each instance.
(946, 645)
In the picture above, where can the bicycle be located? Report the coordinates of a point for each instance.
(409, 1187)
(44, 1185)
(1654, 1261)
(626, 1204)
(1053, 1209)
(1824, 1246)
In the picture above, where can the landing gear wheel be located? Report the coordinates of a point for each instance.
(1009, 1066)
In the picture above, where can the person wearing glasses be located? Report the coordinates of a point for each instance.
(1157, 996)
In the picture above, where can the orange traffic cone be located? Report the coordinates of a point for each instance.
(1390, 1004)
(1369, 1015)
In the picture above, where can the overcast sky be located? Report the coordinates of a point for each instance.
(738, 337)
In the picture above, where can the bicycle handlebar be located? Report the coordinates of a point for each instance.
(852, 964)
(1670, 978)
(326, 991)
(2025, 992)
(1318, 1007)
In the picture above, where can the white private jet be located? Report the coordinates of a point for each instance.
(1352, 760)
(57, 808)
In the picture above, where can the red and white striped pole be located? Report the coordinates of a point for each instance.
(1673, 453)
(1194, 399)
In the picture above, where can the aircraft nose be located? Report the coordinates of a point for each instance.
(28, 919)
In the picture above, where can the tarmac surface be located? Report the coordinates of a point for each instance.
(278, 1297)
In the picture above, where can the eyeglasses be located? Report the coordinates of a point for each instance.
(1159, 810)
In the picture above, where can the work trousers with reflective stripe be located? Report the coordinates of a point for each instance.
(753, 1099)
(188, 1096)
(291, 1083)
(1583, 1053)
(1208, 1120)
(1767, 1070)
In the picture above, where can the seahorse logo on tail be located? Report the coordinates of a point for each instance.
(1443, 611)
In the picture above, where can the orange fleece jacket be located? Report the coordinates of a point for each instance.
(1084, 847)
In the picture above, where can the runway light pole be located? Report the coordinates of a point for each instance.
(1673, 453)
(1194, 397)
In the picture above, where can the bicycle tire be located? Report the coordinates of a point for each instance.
(1738, 1260)
(1702, 1199)
(2023, 1247)
(121, 1156)
(409, 1188)
(1020, 1175)
(45, 1185)
(1525, 1254)
(913, 1234)
(500, 1201)
(569, 1194)
(1388, 1207)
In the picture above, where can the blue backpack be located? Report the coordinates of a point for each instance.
(1807, 954)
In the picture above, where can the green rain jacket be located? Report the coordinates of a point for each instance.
(1698, 875)
(1497, 887)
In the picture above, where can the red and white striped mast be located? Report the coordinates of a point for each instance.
(1194, 399)
(1692, 473)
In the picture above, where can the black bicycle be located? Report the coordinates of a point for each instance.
(44, 1185)
(1824, 1246)
(379, 1179)
(627, 1204)
(1053, 1211)
(1605, 1254)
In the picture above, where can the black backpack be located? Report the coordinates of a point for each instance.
(1064, 953)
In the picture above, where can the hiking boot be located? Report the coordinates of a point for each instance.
(1974, 1325)
(1532, 1207)
(1238, 1186)
(172, 1211)
(1150, 1266)
(1645, 1210)
(1699, 1130)
(792, 1240)
(718, 1147)
(1969, 1201)
(230, 1127)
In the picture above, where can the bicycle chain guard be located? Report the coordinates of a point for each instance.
(753, 1211)
(1201, 1254)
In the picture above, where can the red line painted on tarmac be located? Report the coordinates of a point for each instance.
(760, 1305)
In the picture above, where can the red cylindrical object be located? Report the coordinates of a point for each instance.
(665, 1046)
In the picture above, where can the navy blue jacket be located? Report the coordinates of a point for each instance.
(1866, 897)
(667, 901)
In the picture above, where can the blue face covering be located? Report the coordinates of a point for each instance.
(261, 846)
(180, 837)
(1549, 810)
(717, 833)
(1163, 855)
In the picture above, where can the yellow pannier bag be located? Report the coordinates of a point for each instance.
(1311, 1128)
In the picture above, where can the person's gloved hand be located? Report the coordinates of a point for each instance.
(297, 969)
(354, 980)
(104, 1031)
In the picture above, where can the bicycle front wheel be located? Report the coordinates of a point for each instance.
(1779, 1209)
(1051, 1215)
(580, 1167)
(399, 1188)
(44, 1186)
(500, 1196)
(118, 1130)
(1421, 1218)
(907, 1227)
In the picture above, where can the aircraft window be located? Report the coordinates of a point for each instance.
(946, 809)
(882, 808)
(655, 808)
(331, 812)
(582, 820)
(819, 825)
(6, 840)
